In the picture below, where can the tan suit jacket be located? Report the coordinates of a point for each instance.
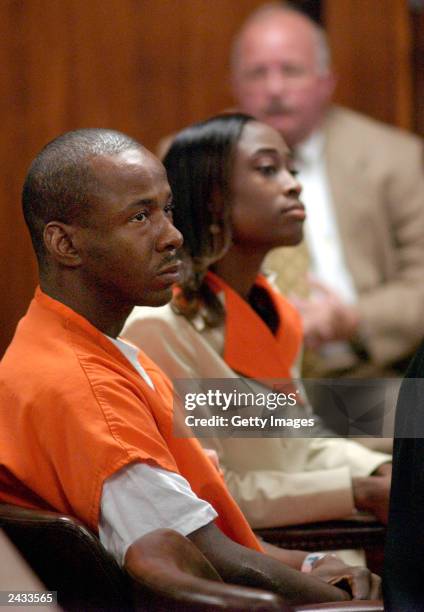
(377, 183)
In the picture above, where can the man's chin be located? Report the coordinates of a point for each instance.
(159, 298)
(282, 123)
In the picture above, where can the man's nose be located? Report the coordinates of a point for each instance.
(275, 82)
(170, 238)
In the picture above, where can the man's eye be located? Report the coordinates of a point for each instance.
(268, 170)
(256, 73)
(140, 217)
(169, 208)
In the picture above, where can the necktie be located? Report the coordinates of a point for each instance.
(290, 265)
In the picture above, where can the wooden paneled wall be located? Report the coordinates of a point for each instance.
(372, 51)
(146, 67)
(417, 27)
(149, 67)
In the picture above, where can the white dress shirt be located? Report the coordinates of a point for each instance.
(321, 233)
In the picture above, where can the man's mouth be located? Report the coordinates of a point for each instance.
(276, 109)
(171, 272)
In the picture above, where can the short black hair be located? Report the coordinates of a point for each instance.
(60, 183)
(199, 164)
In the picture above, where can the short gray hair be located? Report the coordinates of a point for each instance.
(270, 8)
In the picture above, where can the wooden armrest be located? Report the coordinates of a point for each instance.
(359, 531)
(345, 606)
(67, 558)
(170, 569)
(165, 571)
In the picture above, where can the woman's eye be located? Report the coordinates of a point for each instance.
(293, 171)
(268, 170)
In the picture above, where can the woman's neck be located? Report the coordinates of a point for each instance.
(239, 269)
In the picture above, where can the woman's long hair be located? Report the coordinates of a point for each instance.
(199, 164)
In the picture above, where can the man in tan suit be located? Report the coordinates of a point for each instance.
(363, 186)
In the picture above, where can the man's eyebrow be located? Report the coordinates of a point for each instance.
(148, 201)
(141, 202)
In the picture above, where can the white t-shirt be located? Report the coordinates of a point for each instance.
(140, 497)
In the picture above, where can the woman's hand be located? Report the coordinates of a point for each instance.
(359, 581)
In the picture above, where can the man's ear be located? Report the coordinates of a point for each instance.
(60, 244)
(329, 85)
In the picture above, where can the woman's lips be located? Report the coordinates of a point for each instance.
(296, 211)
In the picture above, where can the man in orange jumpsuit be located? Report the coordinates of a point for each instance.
(86, 419)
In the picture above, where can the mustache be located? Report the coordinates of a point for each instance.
(277, 107)
(169, 260)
